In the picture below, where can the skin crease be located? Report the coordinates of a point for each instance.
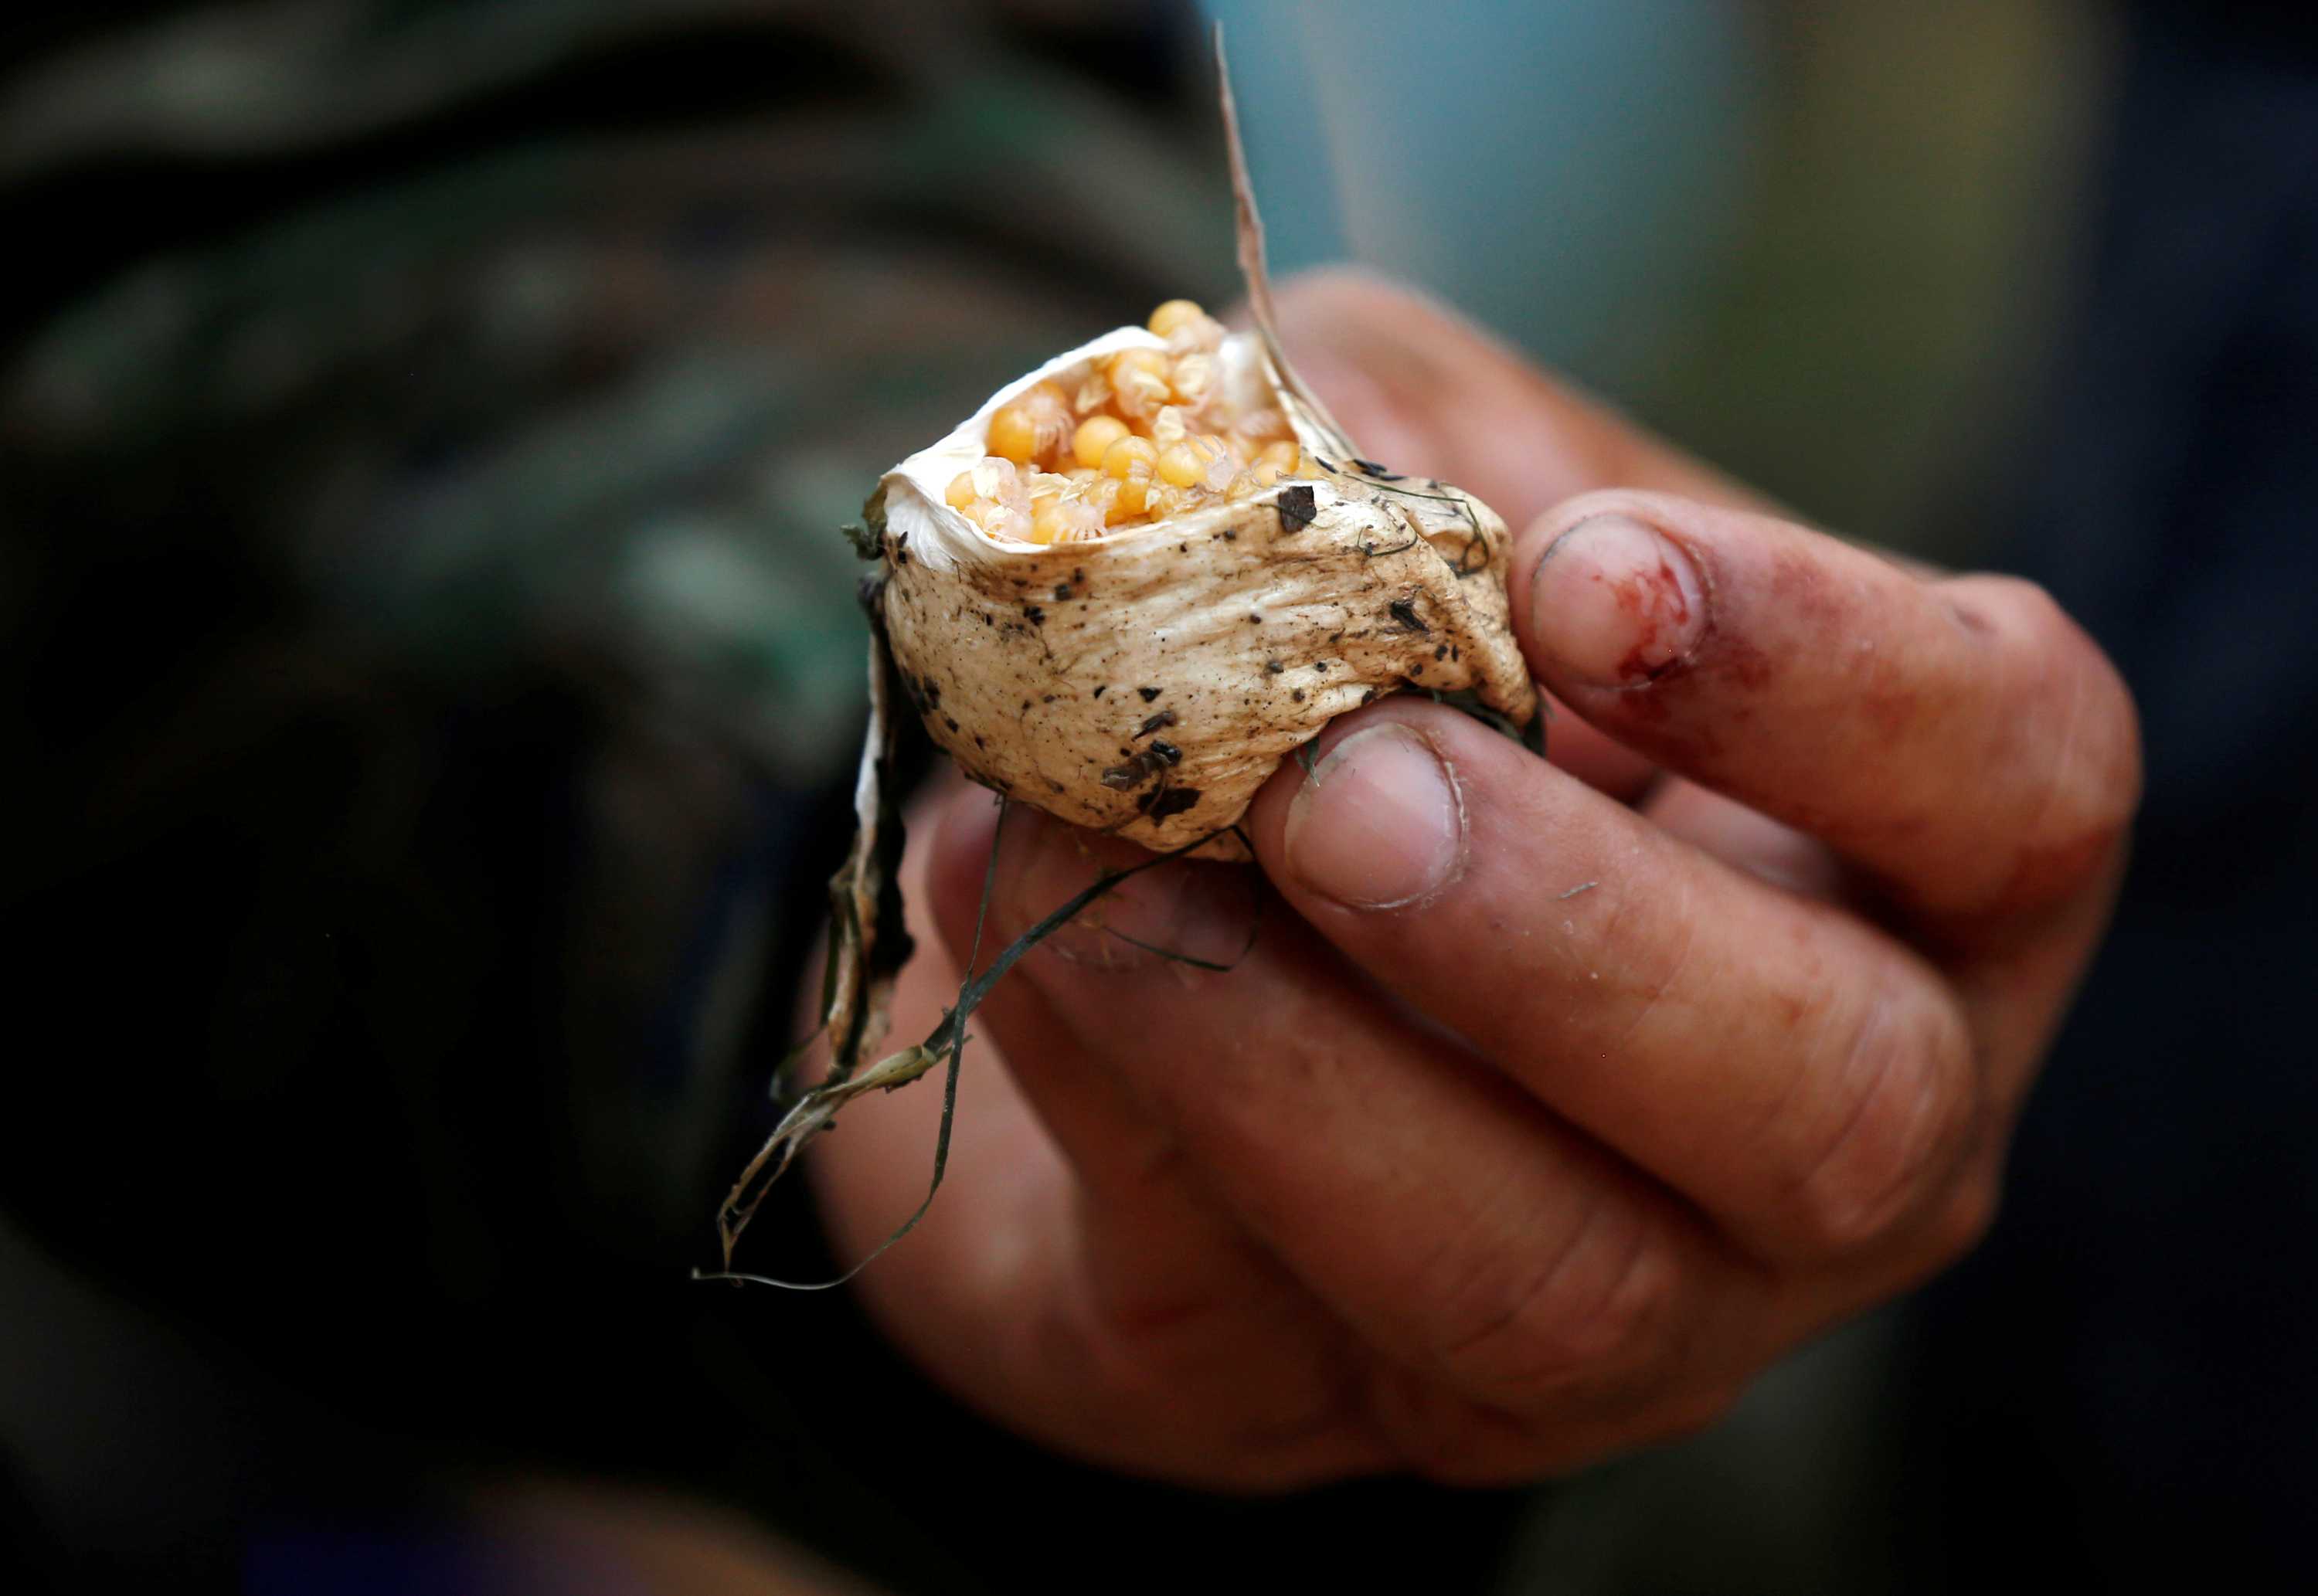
(1710, 1035)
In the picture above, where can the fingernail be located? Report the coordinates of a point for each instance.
(1379, 823)
(1614, 602)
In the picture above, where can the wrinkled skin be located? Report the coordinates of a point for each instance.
(1551, 1104)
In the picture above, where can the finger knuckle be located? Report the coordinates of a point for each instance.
(2016, 613)
(1603, 1305)
(1902, 1117)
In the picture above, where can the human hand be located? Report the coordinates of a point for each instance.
(1551, 1102)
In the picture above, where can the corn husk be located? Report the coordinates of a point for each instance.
(1146, 683)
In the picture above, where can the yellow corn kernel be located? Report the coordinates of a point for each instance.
(1134, 499)
(1095, 437)
(1181, 465)
(1188, 377)
(1101, 497)
(961, 492)
(1033, 426)
(1081, 475)
(1222, 470)
(1138, 382)
(1280, 456)
(1199, 461)
(1166, 500)
(999, 521)
(1130, 457)
(1172, 315)
(1014, 434)
(1059, 520)
(995, 477)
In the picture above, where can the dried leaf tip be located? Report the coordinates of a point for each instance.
(1249, 228)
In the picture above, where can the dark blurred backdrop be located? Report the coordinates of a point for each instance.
(430, 679)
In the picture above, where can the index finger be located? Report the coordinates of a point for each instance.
(1960, 739)
(1425, 390)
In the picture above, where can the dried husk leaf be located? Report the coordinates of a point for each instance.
(1146, 683)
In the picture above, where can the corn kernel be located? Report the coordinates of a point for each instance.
(1147, 433)
(1103, 499)
(1014, 434)
(999, 521)
(1189, 377)
(994, 477)
(1058, 520)
(1033, 426)
(1172, 315)
(1165, 500)
(1181, 465)
(1138, 382)
(1199, 461)
(1130, 457)
(1220, 467)
(1046, 485)
(1095, 437)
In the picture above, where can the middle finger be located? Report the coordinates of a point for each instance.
(1801, 1076)
(1461, 1227)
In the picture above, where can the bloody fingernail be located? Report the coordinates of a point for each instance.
(1378, 823)
(1614, 602)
